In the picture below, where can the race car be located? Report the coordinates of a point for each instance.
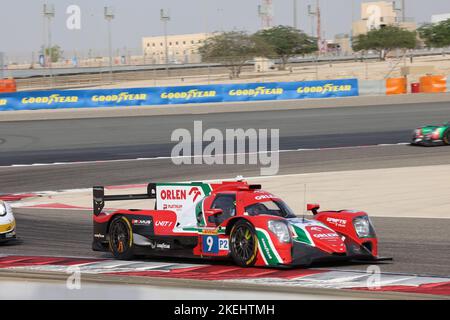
(229, 220)
(432, 135)
(7, 223)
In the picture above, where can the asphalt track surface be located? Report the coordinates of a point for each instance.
(418, 245)
(133, 137)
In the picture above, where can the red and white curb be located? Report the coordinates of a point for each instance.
(307, 278)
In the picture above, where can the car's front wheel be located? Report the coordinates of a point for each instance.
(243, 244)
(446, 137)
(121, 239)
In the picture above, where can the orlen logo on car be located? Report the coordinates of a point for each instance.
(325, 235)
(264, 197)
(177, 194)
(322, 233)
(180, 194)
(195, 192)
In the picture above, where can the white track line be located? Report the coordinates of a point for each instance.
(182, 157)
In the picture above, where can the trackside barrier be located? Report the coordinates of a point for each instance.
(7, 85)
(396, 86)
(372, 87)
(433, 84)
(178, 95)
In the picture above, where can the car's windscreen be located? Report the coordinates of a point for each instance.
(270, 207)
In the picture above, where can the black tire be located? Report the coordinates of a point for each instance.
(446, 137)
(121, 239)
(243, 244)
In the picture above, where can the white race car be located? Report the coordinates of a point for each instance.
(7, 223)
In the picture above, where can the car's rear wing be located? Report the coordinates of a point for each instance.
(99, 197)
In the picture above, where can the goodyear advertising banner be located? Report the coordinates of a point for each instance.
(178, 95)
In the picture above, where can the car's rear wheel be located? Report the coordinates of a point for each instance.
(243, 244)
(446, 137)
(121, 239)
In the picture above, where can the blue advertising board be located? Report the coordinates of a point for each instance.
(57, 99)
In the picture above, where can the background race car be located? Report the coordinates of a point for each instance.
(432, 135)
(7, 223)
(230, 220)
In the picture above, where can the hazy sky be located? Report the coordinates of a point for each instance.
(21, 21)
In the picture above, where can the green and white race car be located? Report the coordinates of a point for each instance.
(432, 135)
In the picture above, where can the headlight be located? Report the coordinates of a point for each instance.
(280, 229)
(363, 227)
(3, 210)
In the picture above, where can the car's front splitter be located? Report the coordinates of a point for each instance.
(8, 236)
(305, 255)
(427, 142)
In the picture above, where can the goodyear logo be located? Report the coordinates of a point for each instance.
(3, 102)
(123, 96)
(194, 93)
(54, 98)
(266, 248)
(259, 91)
(324, 89)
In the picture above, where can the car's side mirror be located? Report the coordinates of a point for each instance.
(313, 207)
(213, 214)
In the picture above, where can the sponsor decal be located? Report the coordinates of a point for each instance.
(159, 245)
(163, 245)
(337, 222)
(99, 236)
(329, 87)
(187, 95)
(322, 233)
(169, 194)
(52, 99)
(325, 235)
(179, 197)
(266, 249)
(179, 94)
(259, 91)
(264, 197)
(195, 192)
(163, 223)
(141, 222)
(123, 96)
(172, 206)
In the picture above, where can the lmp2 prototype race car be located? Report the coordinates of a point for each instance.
(7, 223)
(432, 135)
(233, 220)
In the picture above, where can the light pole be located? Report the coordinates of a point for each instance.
(403, 11)
(49, 13)
(295, 14)
(109, 16)
(165, 18)
(2, 64)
